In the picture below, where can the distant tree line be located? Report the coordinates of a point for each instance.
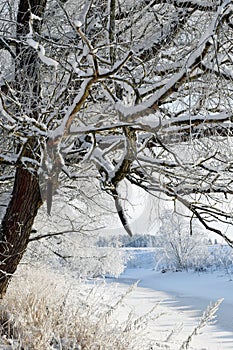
(138, 240)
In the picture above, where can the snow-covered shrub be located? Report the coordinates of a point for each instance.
(44, 310)
(179, 249)
(77, 256)
(68, 239)
(91, 261)
(208, 316)
(222, 257)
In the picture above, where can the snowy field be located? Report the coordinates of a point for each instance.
(181, 298)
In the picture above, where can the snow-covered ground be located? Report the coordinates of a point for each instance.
(182, 298)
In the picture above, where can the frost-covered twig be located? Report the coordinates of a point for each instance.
(207, 317)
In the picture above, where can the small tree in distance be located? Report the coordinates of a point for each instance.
(181, 250)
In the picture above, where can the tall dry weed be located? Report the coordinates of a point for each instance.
(44, 310)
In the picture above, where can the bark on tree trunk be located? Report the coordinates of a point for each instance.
(17, 224)
(26, 197)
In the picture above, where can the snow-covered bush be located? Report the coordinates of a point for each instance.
(180, 249)
(54, 312)
(81, 259)
(222, 257)
(68, 241)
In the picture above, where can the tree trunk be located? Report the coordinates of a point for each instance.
(17, 224)
(112, 34)
(26, 197)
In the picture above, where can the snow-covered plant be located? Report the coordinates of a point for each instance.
(68, 240)
(54, 312)
(180, 248)
(222, 257)
(208, 317)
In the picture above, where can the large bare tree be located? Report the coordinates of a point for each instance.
(115, 90)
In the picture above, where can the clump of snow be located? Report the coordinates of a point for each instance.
(33, 16)
(77, 23)
(38, 47)
(46, 60)
(31, 42)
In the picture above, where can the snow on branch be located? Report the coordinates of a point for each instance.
(147, 107)
(8, 160)
(92, 128)
(185, 122)
(64, 127)
(4, 44)
(38, 47)
(5, 114)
